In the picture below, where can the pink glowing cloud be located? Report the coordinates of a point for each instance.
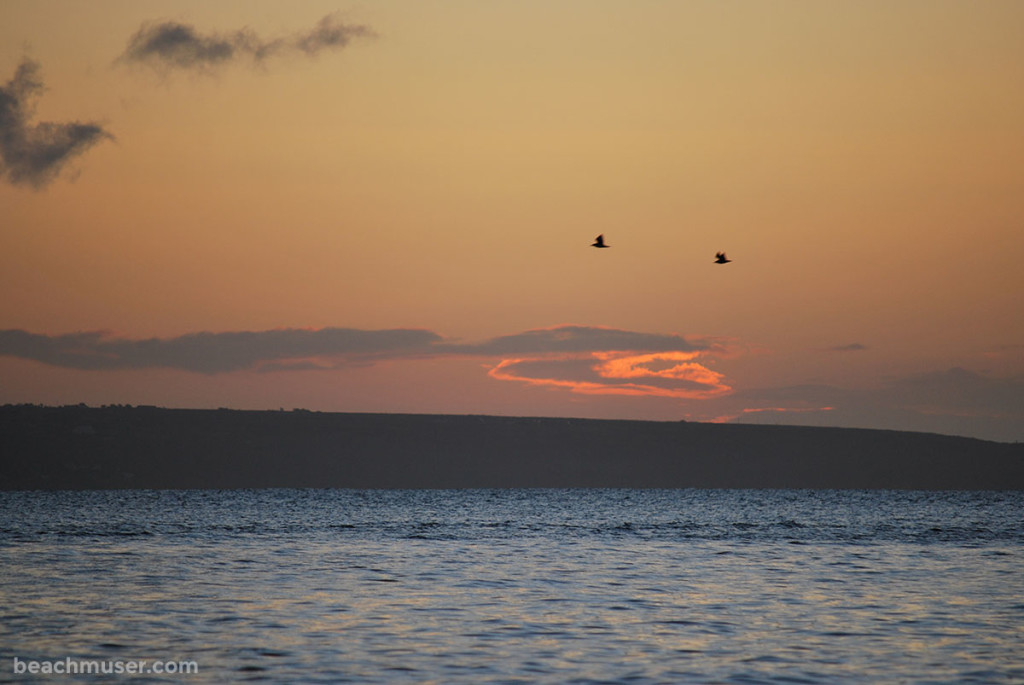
(657, 374)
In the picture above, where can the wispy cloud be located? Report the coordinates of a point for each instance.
(34, 154)
(174, 45)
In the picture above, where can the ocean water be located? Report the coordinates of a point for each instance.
(515, 586)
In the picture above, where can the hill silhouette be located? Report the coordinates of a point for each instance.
(79, 447)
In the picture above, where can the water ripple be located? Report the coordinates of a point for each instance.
(521, 586)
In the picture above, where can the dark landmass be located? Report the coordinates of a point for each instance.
(80, 447)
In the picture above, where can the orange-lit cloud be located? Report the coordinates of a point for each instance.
(658, 374)
(582, 361)
(784, 410)
(596, 360)
(291, 348)
(591, 360)
(729, 418)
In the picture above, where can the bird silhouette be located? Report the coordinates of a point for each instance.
(599, 242)
(720, 258)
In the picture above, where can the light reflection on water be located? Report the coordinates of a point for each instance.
(521, 586)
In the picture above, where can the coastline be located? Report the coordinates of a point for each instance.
(79, 447)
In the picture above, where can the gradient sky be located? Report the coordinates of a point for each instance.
(388, 206)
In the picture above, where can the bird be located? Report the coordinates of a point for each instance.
(599, 242)
(720, 258)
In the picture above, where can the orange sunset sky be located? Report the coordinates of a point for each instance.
(388, 206)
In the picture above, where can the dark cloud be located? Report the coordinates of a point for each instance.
(34, 154)
(802, 397)
(959, 391)
(578, 359)
(329, 34)
(311, 349)
(571, 338)
(956, 401)
(181, 46)
(852, 347)
(217, 352)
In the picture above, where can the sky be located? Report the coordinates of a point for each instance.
(389, 206)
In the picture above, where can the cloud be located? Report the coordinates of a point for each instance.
(852, 347)
(786, 410)
(34, 154)
(582, 360)
(658, 374)
(955, 401)
(589, 360)
(578, 339)
(596, 360)
(175, 45)
(329, 34)
(958, 391)
(219, 352)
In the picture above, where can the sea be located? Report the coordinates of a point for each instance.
(512, 586)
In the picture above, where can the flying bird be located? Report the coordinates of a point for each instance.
(599, 242)
(720, 258)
